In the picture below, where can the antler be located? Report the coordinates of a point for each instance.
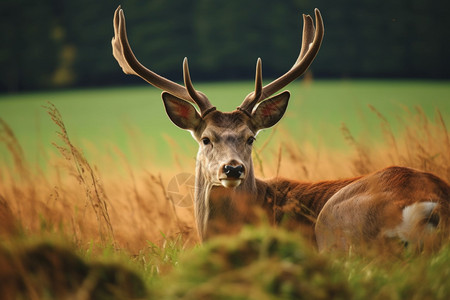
(130, 65)
(312, 39)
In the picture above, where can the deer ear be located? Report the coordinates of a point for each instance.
(180, 112)
(270, 111)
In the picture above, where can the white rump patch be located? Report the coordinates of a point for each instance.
(413, 224)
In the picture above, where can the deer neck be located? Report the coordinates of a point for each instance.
(219, 209)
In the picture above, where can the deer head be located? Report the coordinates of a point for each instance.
(225, 138)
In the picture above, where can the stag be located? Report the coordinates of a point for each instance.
(395, 202)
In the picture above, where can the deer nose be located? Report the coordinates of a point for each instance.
(233, 171)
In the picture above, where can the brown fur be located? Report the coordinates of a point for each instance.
(348, 211)
(371, 208)
(297, 205)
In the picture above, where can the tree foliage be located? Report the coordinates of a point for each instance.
(66, 43)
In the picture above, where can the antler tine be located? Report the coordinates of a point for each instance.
(258, 79)
(311, 41)
(199, 98)
(130, 65)
(308, 36)
(252, 99)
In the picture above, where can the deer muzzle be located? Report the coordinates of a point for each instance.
(232, 175)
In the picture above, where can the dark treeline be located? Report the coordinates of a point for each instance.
(66, 43)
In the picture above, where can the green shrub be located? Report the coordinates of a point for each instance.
(259, 263)
(47, 271)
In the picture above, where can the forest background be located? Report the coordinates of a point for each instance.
(54, 44)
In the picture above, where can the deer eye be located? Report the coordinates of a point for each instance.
(250, 140)
(206, 141)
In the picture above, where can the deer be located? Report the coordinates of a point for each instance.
(398, 203)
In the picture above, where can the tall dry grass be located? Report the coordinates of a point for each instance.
(420, 142)
(76, 199)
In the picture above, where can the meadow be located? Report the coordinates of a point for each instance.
(85, 188)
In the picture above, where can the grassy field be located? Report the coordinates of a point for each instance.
(97, 219)
(99, 120)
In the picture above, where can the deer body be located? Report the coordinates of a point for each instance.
(391, 203)
(394, 202)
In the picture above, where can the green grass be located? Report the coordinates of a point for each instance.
(258, 263)
(118, 117)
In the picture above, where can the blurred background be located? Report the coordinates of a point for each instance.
(66, 43)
